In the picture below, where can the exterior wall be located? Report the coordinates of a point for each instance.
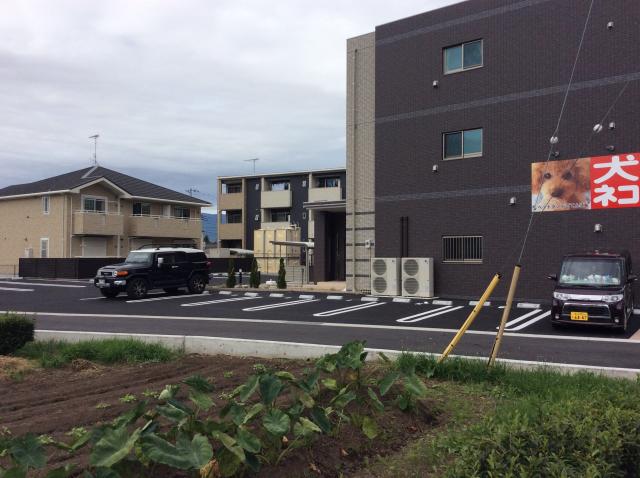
(360, 177)
(516, 98)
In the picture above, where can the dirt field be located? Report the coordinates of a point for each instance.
(53, 402)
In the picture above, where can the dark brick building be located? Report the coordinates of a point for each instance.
(497, 71)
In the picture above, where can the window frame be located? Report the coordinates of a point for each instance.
(285, 182)
(232, 185)
(285, 211)
(94, 199)
(235, 212)
(46, 205)
(462, 68)
(142, 206)
(322, 182)
(44, 240)
(463, 156)
(463, 260)
(181, 208)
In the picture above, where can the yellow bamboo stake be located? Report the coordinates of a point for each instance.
(472, 316)
(505, 314)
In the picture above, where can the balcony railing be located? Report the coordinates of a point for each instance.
(98, 223)
(164, 226)
(275, 199)
(231, 201)
(325, 194)
(230, 231)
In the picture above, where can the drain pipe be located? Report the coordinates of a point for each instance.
(353, 170)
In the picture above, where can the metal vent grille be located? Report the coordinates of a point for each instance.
(411, 267)
(379, 267)
(411, 286)
(380, 285)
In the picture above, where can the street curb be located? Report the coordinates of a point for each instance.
(293, 350)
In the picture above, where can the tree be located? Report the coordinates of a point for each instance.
(254, 278)
(206, 239)
(282, 275)
(231, 275)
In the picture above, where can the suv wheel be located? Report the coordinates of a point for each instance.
(137, 289)
(197, 284)
(109, 294)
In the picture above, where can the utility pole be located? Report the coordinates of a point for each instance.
(191, 191)
(95, 148)
(254, 163)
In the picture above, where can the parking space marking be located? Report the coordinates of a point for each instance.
(152, 299)
(43, 284)
(513, 322)
(217, 301)
(530, 322)
(428, 314)
(258, 308)
(16, 289)
(346, 310)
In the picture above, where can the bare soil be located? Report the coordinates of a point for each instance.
(53, 402)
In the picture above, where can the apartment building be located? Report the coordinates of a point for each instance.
(256, 211)
(92, 212)
(449, 117)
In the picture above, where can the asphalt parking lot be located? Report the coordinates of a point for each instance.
(320, 318)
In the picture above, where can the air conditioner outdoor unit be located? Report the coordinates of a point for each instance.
(417, 277)
(385, 276)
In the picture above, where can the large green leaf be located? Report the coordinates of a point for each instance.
(305, 427)
(375, 401)
(171, 412)
(270, 387)
(248, 389)
(228, 462)
(230, 444)
(201, 400)
(284, 375)
(319, 417)
(306, 399)
(276, 422)
(62, 472)
(330, 383)
(252, 412)
(343, 399)
(199, 383)
(309, 382)
(169, 391)
(17, 472)
(387, 381)
(185, 454)
(115, 444)
(370, 428)
(27, 451)
(327, 363)
(351, 355)
(237, 414)
(130, 416)
(414, 385)
(248, 440)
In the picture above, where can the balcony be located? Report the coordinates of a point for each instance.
(275, 199)
(230, 231)
(325, 194)
(231, 201)
(97, 224)
(165, 226)
(276, 225)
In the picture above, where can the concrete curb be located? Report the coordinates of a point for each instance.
(293, 350)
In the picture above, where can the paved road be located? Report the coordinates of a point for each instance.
(417, 325)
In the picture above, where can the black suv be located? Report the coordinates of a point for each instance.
(594, 288)
(155, 267)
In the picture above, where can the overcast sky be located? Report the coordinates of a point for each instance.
(179, 91)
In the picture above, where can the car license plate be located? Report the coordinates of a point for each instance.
(582, 316)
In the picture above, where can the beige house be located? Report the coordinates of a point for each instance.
(93, 212)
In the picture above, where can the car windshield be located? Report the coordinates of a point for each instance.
(591, 272)
(139, 258)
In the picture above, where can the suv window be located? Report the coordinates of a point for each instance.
(197, 257)
(169, 257)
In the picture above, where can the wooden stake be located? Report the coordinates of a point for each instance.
(505, 314)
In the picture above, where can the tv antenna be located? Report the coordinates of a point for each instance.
(95, 148)
(191, 191)
(254, 163)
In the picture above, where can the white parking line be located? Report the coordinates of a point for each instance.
(513, 322)
(346, 310)
(530, 322)
(280, 304)
(217, 301)
(152, 299)
(16, 290)
(428, 314)
(43, 284)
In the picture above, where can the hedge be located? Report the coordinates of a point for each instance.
(15, 332)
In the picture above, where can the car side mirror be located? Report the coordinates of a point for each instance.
(632, 277)
(160, 261)
(553, 277)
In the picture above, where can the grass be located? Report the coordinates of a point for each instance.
(55, 354)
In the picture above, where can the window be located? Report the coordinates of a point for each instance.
(45, 204)
(234, 217)
(280, 215)
(462, 249)
(44, 247)
(182, 212)
(465, 56)
(329, 182)
(279, 185)
(232, 188)
(462, 144)
(141, 209)
(92, 204)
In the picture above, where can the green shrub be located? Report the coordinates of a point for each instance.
(15, 332)
(282, 275)
(231, 275)
(254, 278)
(53, 354)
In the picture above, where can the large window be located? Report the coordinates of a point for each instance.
(141, 209)
(182, 212)
(328, 182)
(279, 185)
(231, 188)
(462, 249)
(44, 247)
(280, 215)
(46, 202)
(462, 144)
(234, 217)
(93, 204)
(465, 56)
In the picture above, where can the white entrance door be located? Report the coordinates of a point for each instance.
(94, 247)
